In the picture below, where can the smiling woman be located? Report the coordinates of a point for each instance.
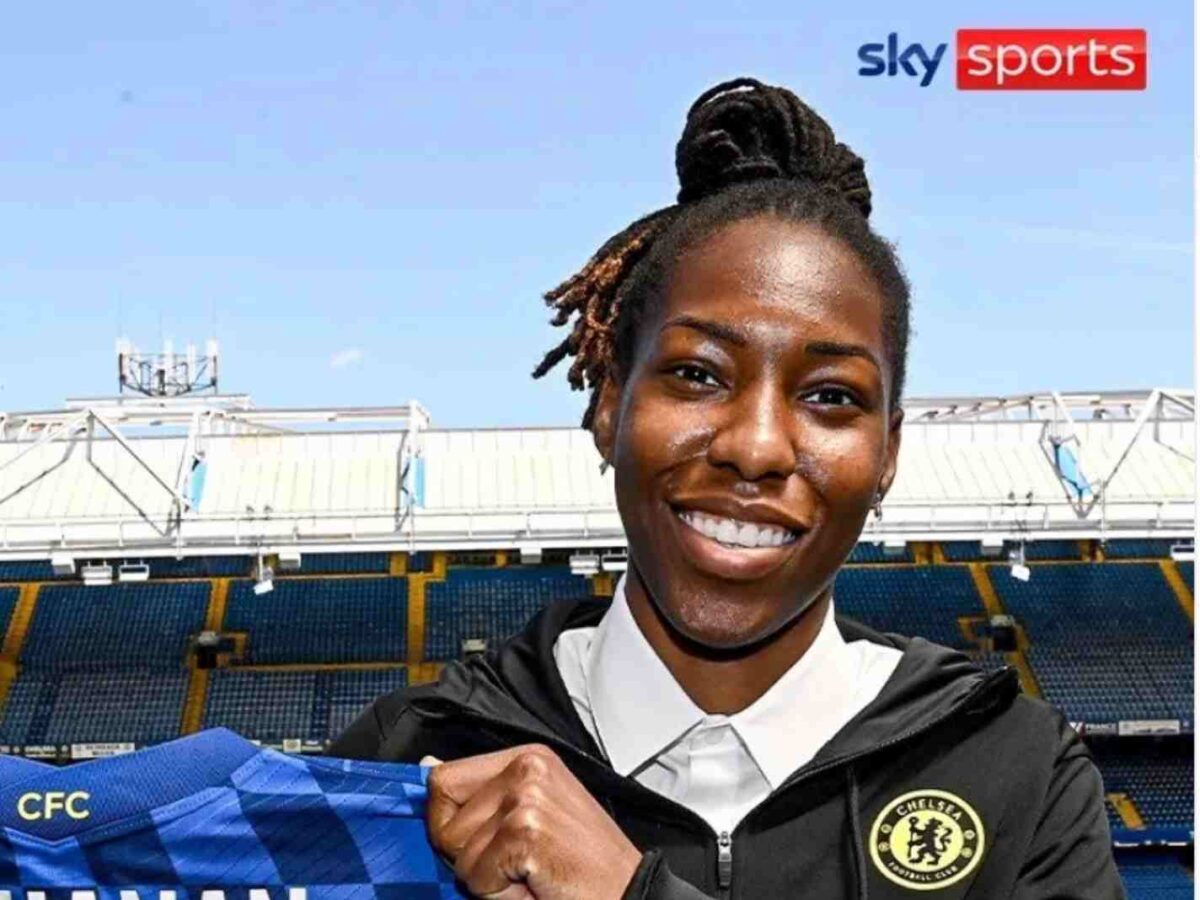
(715, 730)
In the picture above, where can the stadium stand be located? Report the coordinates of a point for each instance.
(1138, 549)
(141, 707)
(350, 692)
(199, 567)
(118, 627)
(490, 604)
(33, 570)
(923, 600)
(865, 552)
(262, 705)
(8, 599)
(104, 664)
(1156, 879)
(972, 551)
(1108, 641)
(341, 564)
(1157, 775)
(321, 620)
(313, 705)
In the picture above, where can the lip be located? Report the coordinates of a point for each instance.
(758, 513)
(714, 558)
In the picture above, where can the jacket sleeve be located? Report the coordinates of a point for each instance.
(1071, 854)
(653, 880)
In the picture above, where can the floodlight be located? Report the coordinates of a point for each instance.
(289, 560)
(62, 564)
(586, 564)
(614, 562)
(96, 574)
(133, 572)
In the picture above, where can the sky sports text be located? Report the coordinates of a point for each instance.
(1021, 59)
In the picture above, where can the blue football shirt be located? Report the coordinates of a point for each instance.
(213, 817)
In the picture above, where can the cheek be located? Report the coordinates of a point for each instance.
(843, 465)
(658, 433)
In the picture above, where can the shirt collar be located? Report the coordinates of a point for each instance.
(640, 709)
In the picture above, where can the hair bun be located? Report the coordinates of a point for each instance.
(744, 130)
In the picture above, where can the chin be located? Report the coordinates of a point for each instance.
(715, 624)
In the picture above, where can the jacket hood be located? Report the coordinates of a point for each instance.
(519, 684)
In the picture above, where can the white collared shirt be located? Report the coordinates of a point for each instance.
(719, 766)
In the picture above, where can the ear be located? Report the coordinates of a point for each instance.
(604, 419)
(892, 453)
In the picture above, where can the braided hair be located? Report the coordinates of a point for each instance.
(748, 149)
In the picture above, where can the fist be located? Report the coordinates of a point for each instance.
(517, 825)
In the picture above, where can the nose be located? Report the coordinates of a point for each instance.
(755, 437)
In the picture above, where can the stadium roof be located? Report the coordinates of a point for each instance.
(150, 477)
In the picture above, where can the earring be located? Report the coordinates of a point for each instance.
(603, 466)
(878, 507)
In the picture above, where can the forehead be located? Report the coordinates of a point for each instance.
(778, 279)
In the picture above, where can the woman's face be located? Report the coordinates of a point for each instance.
(753, 429)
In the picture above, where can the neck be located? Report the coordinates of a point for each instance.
(723, 683)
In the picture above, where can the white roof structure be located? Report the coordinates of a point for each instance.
(213, 475)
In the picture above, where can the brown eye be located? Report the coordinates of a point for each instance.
(695, 375)
(831, 396)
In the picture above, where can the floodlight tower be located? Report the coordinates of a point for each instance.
(166, 374)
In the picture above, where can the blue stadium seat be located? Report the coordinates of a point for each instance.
(352, 692)
(1138, 549)
(143, 707)
(114, 628)
(32, 570)
(1157, 881)
(322, 620)
(199, 567)
(867, 552)
(29, 706)
(341, 564)
(262, 705)
(923, 601)
(1109, 641)
(65, 708)
(491, 604)
(971, 551)
(1158, 776)
(1188, 572)
(8, 600)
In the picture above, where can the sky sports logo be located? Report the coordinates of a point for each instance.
(1020, 59)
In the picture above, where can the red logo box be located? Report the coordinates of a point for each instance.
(1051, 59)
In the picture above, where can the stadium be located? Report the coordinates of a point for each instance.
(174, 558)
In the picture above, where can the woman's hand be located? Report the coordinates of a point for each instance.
(517, 825)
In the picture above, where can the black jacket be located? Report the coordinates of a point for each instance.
(949, 784)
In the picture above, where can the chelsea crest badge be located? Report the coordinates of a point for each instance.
(926, 840)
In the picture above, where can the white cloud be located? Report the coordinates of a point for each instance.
(351, 356)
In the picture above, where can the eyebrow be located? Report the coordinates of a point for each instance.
(712, 329)
(736, 337)
(834, 348)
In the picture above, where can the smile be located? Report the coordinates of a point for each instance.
(735, 533)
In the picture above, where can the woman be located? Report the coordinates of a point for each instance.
(714, 731)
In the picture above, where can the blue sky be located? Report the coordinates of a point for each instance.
(365, 201)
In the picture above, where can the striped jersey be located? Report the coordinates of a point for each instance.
(213, 817)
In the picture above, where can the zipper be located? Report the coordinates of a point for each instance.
(724, 862)
(725, 839)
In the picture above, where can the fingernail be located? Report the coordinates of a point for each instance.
(430, 761)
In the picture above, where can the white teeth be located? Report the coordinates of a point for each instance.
(727, 532)
(737, 533)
